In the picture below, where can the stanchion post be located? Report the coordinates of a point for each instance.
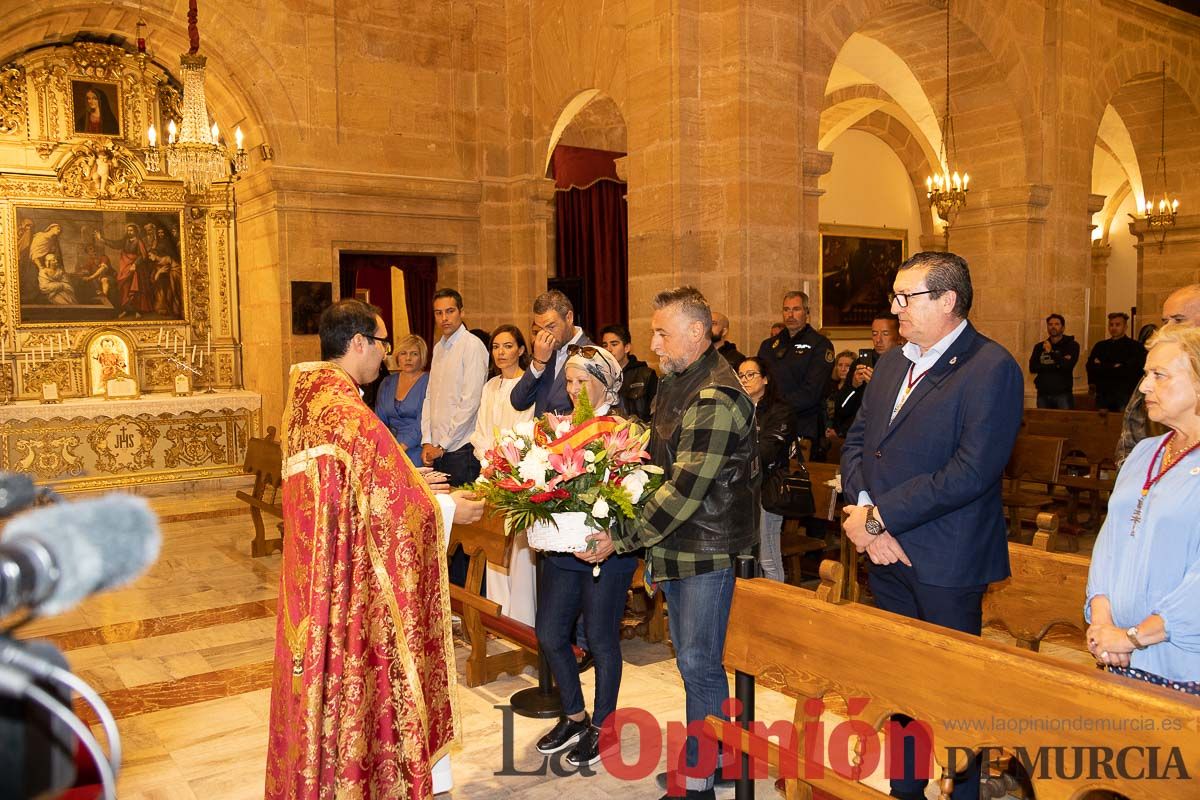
(542, 701)
(744, 691)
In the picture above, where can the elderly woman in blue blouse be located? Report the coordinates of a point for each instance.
(1143, 600)
(402, 394)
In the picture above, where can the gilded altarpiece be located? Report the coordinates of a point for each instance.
(91, 239)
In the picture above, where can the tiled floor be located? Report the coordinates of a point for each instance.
(183, 655)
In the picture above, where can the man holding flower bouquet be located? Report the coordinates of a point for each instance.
(703, 515)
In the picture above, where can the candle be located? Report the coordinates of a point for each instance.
(193, 352)
(41, 352)
(201, 359)
(210, 342)
(160, 333)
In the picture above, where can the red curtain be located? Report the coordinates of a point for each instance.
(372, 271)
(593, 233)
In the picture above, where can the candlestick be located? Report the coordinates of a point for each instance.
(160, 336)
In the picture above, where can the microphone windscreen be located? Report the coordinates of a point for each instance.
(16, 492)
(96, 544)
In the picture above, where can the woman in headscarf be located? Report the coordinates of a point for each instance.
(569, 586)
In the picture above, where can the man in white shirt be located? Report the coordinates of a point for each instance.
(543, 385)
(923, 462)
(457, 373)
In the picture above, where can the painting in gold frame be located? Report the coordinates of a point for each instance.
(84, 265)
(858, 265)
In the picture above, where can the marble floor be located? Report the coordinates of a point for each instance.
(183, 658)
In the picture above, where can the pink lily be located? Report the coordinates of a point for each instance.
(569, 464)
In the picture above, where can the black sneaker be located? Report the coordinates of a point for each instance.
(719, 780)
(563, 735)
(587, 750)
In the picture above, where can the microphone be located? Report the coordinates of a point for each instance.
(16, 493)
(53, 557)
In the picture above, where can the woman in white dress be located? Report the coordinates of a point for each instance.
(515, 590)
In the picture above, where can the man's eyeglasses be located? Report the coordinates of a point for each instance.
(745, 376)
(901, 298)
(586, 350)
(387, 346)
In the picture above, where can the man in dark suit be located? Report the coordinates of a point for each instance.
(544, 386)
(923, 461)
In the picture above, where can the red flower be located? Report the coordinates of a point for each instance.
(511, 485)
(546, 497)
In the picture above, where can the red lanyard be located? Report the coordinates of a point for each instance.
(914, 381)
(1152, 479)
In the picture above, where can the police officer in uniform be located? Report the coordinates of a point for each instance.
(801, 363)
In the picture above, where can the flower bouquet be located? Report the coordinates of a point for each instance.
(562, 478)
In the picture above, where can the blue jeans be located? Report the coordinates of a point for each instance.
(770, 551)
(561, 596)
(698, 613)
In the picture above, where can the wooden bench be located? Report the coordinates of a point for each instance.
(1034, 458)
(1088, 464)
(1046, 590)
(485, 543)
(796, 539)
(264, 458)
(794, 642)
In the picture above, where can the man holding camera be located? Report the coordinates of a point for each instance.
(885, 334)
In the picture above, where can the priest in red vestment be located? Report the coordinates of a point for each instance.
(363, 700)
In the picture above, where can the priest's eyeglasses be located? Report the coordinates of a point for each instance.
(901, 298)
(387, 346)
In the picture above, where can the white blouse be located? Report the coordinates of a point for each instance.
(496, 413)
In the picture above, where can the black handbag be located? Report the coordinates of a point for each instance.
(787, 490)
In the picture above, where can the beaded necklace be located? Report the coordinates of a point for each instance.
(1167, 465)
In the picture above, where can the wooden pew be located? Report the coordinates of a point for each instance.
(796, 643)
(1088, 464)
(485, 542)
(1034, 458)
(1045, 590)
(264, 458)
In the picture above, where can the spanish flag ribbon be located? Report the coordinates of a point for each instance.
(583, 435)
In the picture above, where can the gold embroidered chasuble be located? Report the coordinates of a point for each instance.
(363, 698)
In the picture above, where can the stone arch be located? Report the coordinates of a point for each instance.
(592, 119)
(983, 39)
(1130, 62)
(241, 82)
(576, 49)
(846, 107)
(908, 147)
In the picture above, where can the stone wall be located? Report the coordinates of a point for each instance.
(426, 127)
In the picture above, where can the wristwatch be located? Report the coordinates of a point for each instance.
(873, 526)
(1133, 637)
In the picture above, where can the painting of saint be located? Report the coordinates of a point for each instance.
(78, 265)
(96, 108)
(108, 358)
(857, 268)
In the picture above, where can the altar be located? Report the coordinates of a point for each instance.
(93, 443)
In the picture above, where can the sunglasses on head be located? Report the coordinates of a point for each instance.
(586, 350)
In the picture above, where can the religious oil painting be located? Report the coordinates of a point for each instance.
(309, 300)
(81, 266)
(858, 266)
(97, 109)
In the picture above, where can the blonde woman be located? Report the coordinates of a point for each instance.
(402, 394)
(1143, 600)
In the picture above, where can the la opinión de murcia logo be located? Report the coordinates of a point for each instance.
(855, 749)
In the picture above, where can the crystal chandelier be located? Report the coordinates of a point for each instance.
(194, 151)
(1160, 215)
(947, 191)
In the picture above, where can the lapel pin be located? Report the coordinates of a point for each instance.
(954, 360)
(1196, 470)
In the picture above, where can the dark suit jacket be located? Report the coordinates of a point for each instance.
(547, 392)
(934, 472)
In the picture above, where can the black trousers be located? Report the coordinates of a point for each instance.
(897, 589)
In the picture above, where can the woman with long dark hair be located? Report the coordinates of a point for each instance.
(776, 431)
